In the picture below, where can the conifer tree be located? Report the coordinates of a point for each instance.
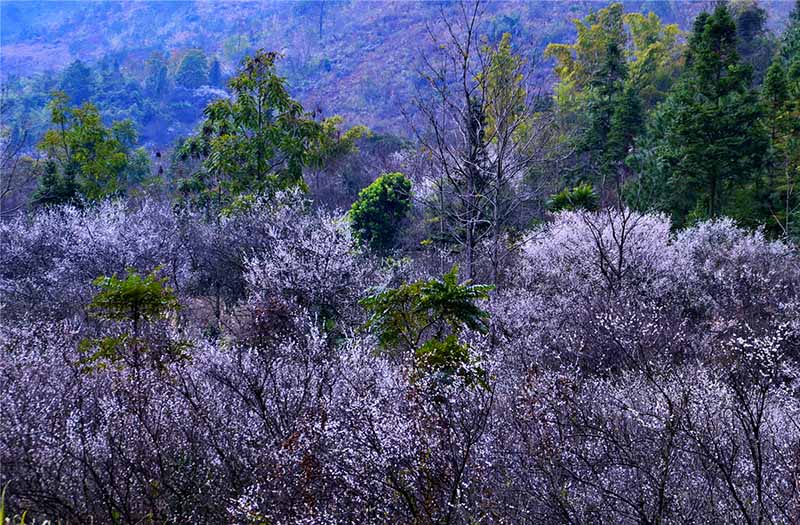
(781, 97)
(618, 65)
(790, 42)
(708, 142)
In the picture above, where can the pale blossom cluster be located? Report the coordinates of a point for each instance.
(633, 375)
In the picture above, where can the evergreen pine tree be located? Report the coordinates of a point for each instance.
(709, 143)
(55, 188)
(790, 42)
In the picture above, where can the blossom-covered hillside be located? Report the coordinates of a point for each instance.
(624, 375)
(566, 289)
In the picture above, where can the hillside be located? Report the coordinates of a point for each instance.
(356, 58)
(557, 281)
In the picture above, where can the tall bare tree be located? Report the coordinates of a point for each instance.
(476, 119)
(17, 171)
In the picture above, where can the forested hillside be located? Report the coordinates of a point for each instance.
(425, 263)
(359, 59)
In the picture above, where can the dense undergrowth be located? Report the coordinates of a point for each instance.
(630, 375)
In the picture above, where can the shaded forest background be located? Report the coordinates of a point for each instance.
(357, 59)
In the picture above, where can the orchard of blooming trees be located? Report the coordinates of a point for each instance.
(540, 310)
(621, 373)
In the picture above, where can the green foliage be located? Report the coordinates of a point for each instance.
(626, 123)
(137, 171)
(84, 157)
(609, 41)
(403, 317)
(138, 302)
(78, 83)
(618, 65)
(601, 38)
(781, 97)
(654, 56)
(449, 358)
(56, 187)
(775, 90)
(134, 298)
(504, 92)
(581, 197)
(790, 42)
(256, 141)
(329, 153)
(379, 210)
(142, 91)
(103, 352)
(193, 70)
(445, 300)
(331, 144)
(157, 79)
(754, 43)
(425, 319)
(707, 139)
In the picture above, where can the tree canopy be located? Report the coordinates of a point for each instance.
(378, 213)
(85, 158)
(255, 141)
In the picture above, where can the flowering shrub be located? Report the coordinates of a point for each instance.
(312, 260)
(48, 262)
(628, 375)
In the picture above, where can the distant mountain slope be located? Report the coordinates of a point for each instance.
(356, 58)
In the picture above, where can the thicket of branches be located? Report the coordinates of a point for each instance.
(226, 345)
(628, 375)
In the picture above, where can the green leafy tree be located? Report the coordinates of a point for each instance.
(513, 139)
(56, 187)
(655, 56)
(425, 318)
(608, 41)
(380, 209)
(625, 125)
(137, 170)
(84, 154)
(754, 43)
(138, 299)
(140, 304)
(790, 41)
(330, 146)
(256, 141)
(619, 65)
(593, 71)
(781, 97)
(157, 79)
(193, 70)
(593, 59)
(708, 145)
(504, 92)
(332, 143)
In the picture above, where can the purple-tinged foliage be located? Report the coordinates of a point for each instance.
(632, 375)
